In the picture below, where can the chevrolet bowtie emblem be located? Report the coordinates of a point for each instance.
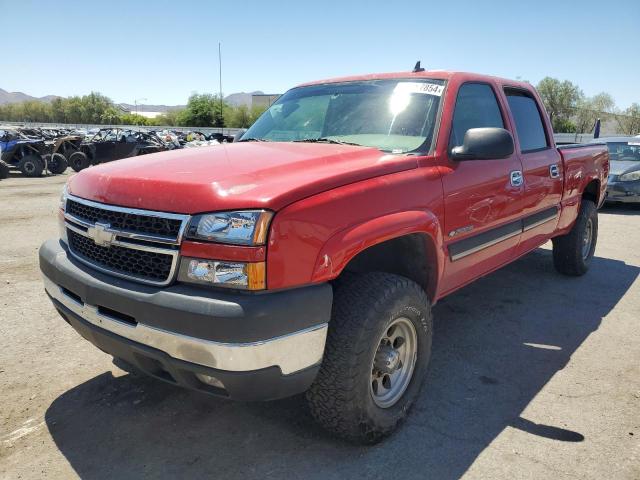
(101, 234)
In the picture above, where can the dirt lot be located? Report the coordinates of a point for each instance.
(534, 375)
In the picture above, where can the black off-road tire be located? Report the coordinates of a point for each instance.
(4, 170)
(364, 306)
(57, 164)
(79, 161)
(569, 256)
(68, 152)
(31, 166)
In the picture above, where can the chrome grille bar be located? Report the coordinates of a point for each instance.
(158, 244)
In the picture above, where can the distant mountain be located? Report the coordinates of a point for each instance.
(235, 99)
(17, 97)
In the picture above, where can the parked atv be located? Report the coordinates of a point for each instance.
(25, 154)
(60, 150)
(114, 144)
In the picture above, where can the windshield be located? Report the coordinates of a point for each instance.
(626, 151)
(395, 116)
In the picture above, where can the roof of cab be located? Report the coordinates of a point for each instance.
(427, 74)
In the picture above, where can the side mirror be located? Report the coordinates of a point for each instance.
(484, 144)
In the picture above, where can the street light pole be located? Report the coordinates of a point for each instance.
(135, 102)
(220, 75)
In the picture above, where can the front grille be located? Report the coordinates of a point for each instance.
(126, 221)
(140, 264)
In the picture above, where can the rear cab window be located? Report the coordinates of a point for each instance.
(528, 120)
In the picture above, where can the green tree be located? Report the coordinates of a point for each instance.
(588, 110)
(629, 120)
(256, 111)
(169, 117)
(199, 111)
(563, 125)
(560, 99)
(111, 116)
(239, 117)
(133, 119)
(93, 106)
(58, 113)
(73, 109)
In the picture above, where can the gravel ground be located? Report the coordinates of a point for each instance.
(534, 375)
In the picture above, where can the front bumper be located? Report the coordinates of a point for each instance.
(626, 192)
(260, 346)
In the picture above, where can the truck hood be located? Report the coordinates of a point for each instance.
(618, 167)
(267, 175)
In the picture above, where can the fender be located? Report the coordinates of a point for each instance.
(578, 174)
(341, 248)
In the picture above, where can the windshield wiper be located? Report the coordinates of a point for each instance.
(253, 139)
(326, 140)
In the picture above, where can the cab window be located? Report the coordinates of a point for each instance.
(476, 107)
(528, 120)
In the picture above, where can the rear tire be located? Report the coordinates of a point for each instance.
(4, 170)
(572, 253)
(31, 166)
(349, 397)
(57, 164)
(79, 161)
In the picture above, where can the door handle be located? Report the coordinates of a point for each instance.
(554, 171)
(516, 178)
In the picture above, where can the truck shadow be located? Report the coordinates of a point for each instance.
(621, 209)
(497, 343)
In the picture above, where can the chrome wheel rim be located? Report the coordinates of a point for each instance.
(393, 363)
(587, 238)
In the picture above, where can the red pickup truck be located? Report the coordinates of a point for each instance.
(306, 257)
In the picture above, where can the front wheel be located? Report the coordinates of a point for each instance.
(31, 166)
(79, 161)
(57, 164)
(572, 253)
(376, 357)
(4, 170)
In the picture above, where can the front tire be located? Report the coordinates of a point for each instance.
(376, 357)
(572, 253)
(31, 166)
(4, 170)
(79, 161)
(57, 164)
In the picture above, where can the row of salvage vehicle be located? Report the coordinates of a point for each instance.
(36, 151)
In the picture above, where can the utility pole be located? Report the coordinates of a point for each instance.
(220, 80)
(136, 104)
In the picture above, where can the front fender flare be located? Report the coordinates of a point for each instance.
(342, 247)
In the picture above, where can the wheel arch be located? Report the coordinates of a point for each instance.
(404, 243)
(591, 191)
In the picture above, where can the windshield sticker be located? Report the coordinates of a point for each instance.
(420, 87)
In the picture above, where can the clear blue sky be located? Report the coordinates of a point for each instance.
(166, 50)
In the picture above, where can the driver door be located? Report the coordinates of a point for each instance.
(482, 198)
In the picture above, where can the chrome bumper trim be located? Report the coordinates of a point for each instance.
(292, 352)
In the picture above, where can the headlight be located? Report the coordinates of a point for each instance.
(630, 177)
(245, 276)
(247, 227)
